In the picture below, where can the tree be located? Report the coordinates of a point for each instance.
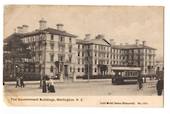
(15, 52)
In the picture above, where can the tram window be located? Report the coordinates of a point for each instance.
(119, 73)
(123, 73)
(114, 73)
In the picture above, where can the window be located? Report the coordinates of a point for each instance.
(60, 58)
(70, 49)
(88, 53)
(70, 39)
(82, 61)
(78, 61)
(95, 62)
(95, 70)
(52, 37)
(82, 54)
(70, 69)
(78, 53)
(82, 69)
(78, 46)
(51, 69)
(61, 39)
(52, 46)
(62, 48)
(70, 58)
(33, 68)
(52, 58)
(78, 69)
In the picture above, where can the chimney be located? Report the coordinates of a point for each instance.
(60, 27)
(100, 36)
(25, 28)
(42, 24)
(19, 29)
(112, 41)
(87, 37)
(137, 42)
(144, 43)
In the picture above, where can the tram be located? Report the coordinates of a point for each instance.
(120, 75)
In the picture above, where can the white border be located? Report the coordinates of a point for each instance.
(17, 110)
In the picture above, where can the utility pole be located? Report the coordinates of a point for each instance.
(88, 65)
(44, 58)
(88, 75)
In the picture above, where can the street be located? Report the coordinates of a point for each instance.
(100, 88)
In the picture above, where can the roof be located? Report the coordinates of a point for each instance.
(132, 46)
(58, 32)
(102, 41)
(98, 41)
(47, 30)
(127, 68)
(82, 41)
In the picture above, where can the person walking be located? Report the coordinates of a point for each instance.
(22, 82)
(18, 76)
(140, 82)
(44, 85)
(17, 82)
(159, 86)
(51, 86)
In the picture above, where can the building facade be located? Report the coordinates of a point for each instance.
(102, 56)
(58, 54)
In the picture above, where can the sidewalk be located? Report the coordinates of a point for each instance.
(59, 81)
(70, 81)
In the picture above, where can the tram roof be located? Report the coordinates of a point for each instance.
(127, 68)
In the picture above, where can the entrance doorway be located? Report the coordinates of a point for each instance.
(66, 72)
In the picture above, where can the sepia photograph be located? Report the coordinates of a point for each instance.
(80, 55)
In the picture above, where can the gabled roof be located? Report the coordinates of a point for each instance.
(100, 41)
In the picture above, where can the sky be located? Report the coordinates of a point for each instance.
(124, 24)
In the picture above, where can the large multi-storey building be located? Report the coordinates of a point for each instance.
(52, 50)
(58, 53)
(103, 56)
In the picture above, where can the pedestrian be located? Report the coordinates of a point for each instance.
(140, 82)
(22, 82)
(17, 82)
(159, 86)
(51, 86)
(18, 76)
(44, 85)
